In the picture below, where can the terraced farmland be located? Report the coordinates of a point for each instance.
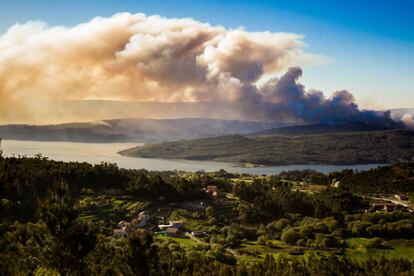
(110, 208)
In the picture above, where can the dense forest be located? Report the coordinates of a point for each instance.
(376, 147)
(44, 230)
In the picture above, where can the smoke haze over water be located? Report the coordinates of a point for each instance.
(134, 57)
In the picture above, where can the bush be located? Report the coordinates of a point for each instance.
(307, 230)
(291, 236)
(296, 251)
(261, 240)
(281, 224)
(310, 243)
(209, 211)
(174, 247)
(212, 221)
(301, 242)
(277, 236)
(375, 243)
(269, 243)
(331, 242)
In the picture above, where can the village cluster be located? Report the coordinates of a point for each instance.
(390, 204)
(147, 221)
(144, 221)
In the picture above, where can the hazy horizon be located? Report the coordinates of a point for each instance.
(105, 110)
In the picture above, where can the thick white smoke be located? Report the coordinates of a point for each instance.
(408, 120)
(134, 57)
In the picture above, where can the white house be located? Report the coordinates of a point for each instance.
(142, 224)
(120, 233)
(143, 216)
(121, 224)
(401, 197)
(164, 226)
(336, 184)
(176, 224)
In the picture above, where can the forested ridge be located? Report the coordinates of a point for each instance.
(377, 147)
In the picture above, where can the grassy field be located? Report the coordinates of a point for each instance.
(247, 179)
(252, 252)
(397, 249)
(184, 242)
(110, 208)
(187, 217)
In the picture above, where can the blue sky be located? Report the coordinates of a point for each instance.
(370, 43)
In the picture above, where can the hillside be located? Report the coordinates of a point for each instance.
(103, 218)
(334, 148)
(133, 130)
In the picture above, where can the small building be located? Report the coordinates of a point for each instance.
(121, 224)
(176, 224)
(143, 215)
(336, 184)
(160, 219)
(172, 232)
(387, 207)
(401, 197)
(212, 190)
(164, 227)
(142, 224)
(173, 224)
(120, 233)
(135, 222)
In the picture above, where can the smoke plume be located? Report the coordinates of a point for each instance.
(134, 57)
(286, 99)
(408, 120)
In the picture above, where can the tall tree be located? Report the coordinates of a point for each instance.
(71, 239)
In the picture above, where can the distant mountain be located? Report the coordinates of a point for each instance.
(386, 146)
(321, 129)
(75, 111)
(133, 130)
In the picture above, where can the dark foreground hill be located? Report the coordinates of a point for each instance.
(133, 130)
(333, 148)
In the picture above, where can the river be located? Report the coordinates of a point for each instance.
(95, 153)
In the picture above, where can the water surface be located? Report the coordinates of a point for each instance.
(107, 152)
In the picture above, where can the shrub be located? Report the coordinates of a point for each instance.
(209, 211)
(281, 224)
(291, 236)
(262, 240)
(310, 243)
(301, 242)
(375, 243)
(174, 247)
(212, 221)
